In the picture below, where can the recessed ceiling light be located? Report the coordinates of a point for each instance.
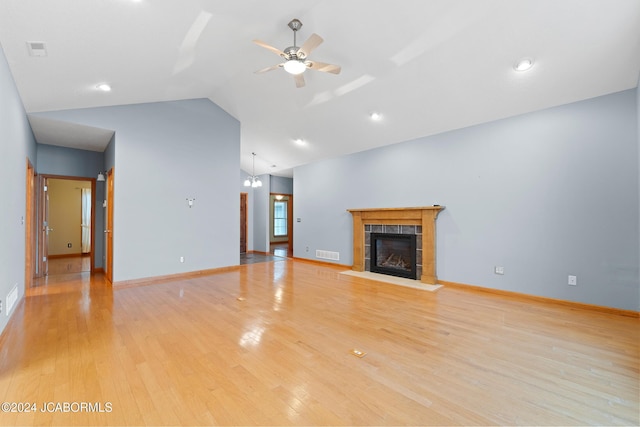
(375, 116)
(104, 87)
(523, 65)
(300, 141)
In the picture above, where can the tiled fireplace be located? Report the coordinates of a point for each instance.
(393, 249)
(417, 221)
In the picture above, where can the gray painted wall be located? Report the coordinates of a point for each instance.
(165, 153)
(65, 161)
(16, 145)
(250, 214)
(281, 184)
(261, 215)
(110, 154)
(545, 195)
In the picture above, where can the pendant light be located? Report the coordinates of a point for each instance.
(252, 180)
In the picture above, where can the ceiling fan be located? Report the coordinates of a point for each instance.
(296, 58)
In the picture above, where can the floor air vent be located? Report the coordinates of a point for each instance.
(334, 256)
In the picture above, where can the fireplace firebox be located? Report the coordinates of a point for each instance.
(394, 254)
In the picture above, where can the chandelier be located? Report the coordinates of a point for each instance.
(252, 180)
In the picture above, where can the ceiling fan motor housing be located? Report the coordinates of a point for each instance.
(292, 53)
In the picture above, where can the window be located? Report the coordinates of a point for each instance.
(280, 218)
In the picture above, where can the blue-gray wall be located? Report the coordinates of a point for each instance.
(16, 145)
(250, 210)
(65, 161)
(281, 184)
(165, 153)
(546, 195)
(261, 214)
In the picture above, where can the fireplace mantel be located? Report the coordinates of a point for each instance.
(424, 216)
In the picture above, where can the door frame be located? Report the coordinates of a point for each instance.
(290, 224)
(289, 220)
(30, 228)
(42, 253)
(108, 230)
(41, 235)
(244, 214)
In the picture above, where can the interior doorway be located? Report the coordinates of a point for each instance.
(281, 224)
(66, 211)
(243, 223)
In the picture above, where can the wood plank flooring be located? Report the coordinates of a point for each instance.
(69, 264)
(269, 344)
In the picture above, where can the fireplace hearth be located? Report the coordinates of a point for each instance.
(394, 254)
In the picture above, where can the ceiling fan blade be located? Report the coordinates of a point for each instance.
(273, 67)
(307, 47)
(269, 47)
(324, 67)
(299, 78)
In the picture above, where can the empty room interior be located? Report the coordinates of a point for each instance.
(310, 212)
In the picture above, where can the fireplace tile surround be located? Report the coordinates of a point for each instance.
(422, 219)
(392, 229)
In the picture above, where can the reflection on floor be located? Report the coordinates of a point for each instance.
(252, 258)
(280, 249)
(278, 252)
(69, 264)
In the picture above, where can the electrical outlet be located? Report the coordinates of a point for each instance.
(498, 269)
(573, 280)
(181, 259)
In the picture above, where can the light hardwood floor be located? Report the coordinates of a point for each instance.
(69, 264)
(269, 344)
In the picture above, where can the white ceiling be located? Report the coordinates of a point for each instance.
(427, 65)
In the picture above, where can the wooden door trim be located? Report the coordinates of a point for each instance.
(289, 220)
(40, 230)
(30, 227)
(244, 202)
(108, 265)
(290, 225)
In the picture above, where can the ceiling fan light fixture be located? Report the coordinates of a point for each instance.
(294, 66)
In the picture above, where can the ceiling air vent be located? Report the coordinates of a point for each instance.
(37, 49)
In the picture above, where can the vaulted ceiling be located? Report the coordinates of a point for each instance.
(427, 66)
